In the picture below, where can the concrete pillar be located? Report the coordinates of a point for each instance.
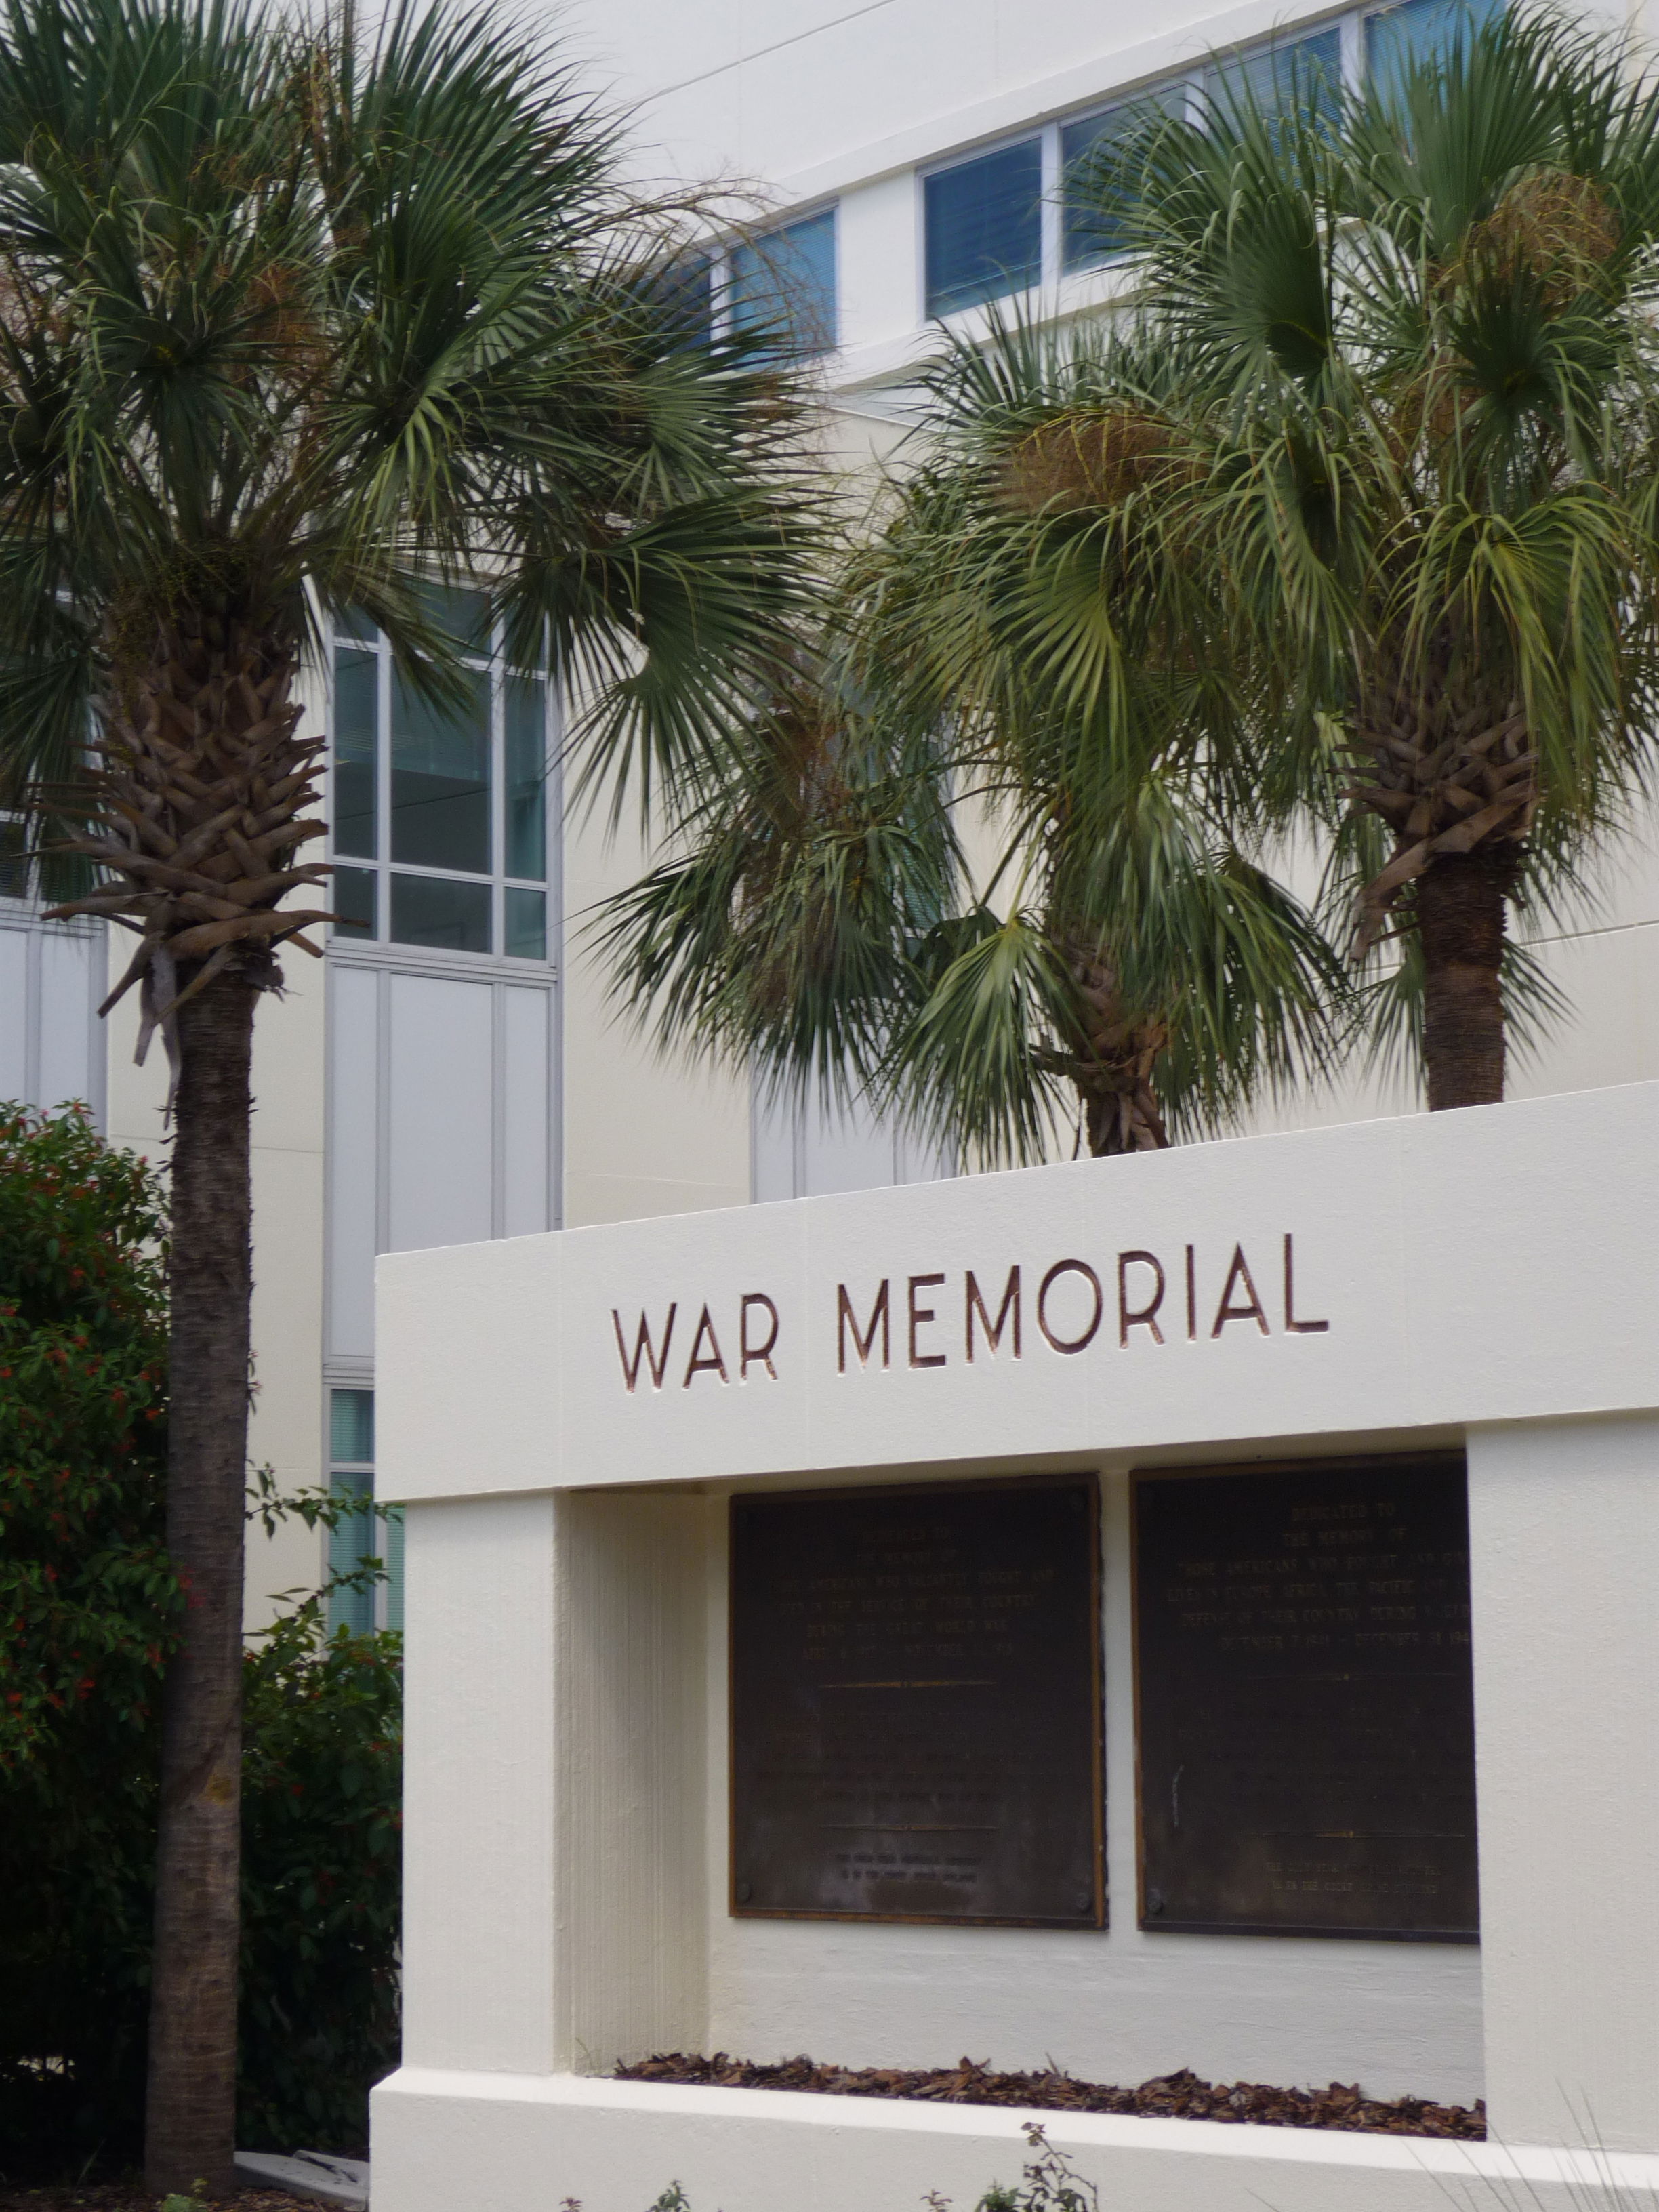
(630, 1868)
(1563, 1548)
(478, 1734)
(553, 1838)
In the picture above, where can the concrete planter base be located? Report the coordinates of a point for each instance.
(444, 2139)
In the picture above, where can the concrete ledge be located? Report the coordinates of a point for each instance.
(518, 2143)
(315, 2175)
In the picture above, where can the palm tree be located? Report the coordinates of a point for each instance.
(290, 317)
(1410, 370)
(1125, 962)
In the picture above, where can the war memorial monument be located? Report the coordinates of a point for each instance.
(1198, 1609)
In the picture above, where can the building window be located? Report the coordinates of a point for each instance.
(361, 1533)
(1377, 46)
(785, 280)
(1397, 37)
(982, 226)
(1308, 70)
(16, 861)
(440, 808)
(1090, 232)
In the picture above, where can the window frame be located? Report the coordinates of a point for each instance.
(722, 279)
(381, 946)
(1046, 137)
(721, 252)
(382, 1525)
(1351, 23)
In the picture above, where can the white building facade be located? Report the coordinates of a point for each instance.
(453, 1069)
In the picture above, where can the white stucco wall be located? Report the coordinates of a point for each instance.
(1486, 1278)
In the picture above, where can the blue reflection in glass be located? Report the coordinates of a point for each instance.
(983, 220)
(1395, 38)
(785, 282)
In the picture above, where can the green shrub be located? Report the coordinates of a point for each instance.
(88, 1604)
(87, 1608)
(321, 1782)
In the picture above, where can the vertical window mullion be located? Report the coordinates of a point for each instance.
(1052, 211)
(1353, 28)
(383, 796)
(497, 792)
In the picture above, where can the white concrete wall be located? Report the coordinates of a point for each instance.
(1563, 1549)
(1485, 1276)
(442, 2139)
(1486, 1265)
(643, 1134)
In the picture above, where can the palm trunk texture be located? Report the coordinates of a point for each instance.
(190, 2119)
(1114, 1061)
(1460, 901)
(197, 815)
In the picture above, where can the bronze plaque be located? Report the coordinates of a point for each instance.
(915, 1705)
(1307, 1721)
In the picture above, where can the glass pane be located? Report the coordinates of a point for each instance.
(527, 778)
(1397, 37)
(354, 1537)
(526, 925)
(1090, 230)
(391, 1537)
(353, 623)
(684, 294)
(356, 716)
(786, 281)
(14, 859)
(1309, 69)
(452, 917)
(462, 616)
(352, 898)
(984, 227)
(440, 777)
(352, 1426)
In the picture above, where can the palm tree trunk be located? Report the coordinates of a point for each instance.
(1461, 905)
(190, 2120)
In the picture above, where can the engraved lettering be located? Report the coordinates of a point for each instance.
(919, 1316)
(702, 1362)
(1292, 1326)
(1069, 1267)
(975, 1304)
(1239, 1272)
(846, 1319)
(643, 1345)
(753, 1352)
(1144, 1317)
(1192, 1296)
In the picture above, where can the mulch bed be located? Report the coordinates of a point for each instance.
(1180, 2096)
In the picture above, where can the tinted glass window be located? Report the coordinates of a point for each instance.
(684, 295)
(1090, 230)
(526, 720)
(356, 724)
(983, 222)
(440, 777)
(1397, 37)
(526, 924)
(786, 281)
(1306, 69)
(351, 897)
(451, 917)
